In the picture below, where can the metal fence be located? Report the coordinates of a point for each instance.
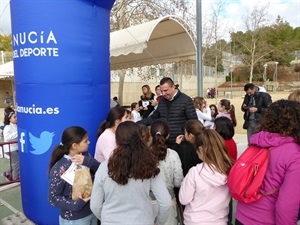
(6, 57)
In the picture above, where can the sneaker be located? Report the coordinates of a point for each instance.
(7, 176)
(17, 179)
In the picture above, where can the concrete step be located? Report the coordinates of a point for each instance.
(17, 219)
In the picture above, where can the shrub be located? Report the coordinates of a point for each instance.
(297, 68)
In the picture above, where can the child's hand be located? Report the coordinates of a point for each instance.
(84, 199)
(154, 103)
(78, 159)
(179, 139)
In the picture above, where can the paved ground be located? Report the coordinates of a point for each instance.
(241, 142)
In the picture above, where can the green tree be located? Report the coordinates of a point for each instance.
(252, 45)
(214, 54)
(5, 43)
(281, 37)
(297, 38)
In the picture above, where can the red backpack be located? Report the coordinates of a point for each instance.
(247, 174)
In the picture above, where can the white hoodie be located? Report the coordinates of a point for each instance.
(10, 133)
(206, 196)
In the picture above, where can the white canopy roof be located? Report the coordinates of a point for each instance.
(163, 40)
(7, 70)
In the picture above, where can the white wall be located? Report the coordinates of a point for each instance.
(133, 86)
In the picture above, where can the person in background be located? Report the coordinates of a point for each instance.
(214, 113)
(185, 145)
(204, 190)
(294, 96)
(115, 99)
(73, 148)
(225, 108)
(10, 134)
(208, 93)
(279, 131)
(122, 184)
(157, 96)
(202, 110)
(106, 142)
(135, 111)
(214, 110)
(169, 163)
(212, 93)
(255, 104)
(129, 116)
(186, 150)
(224, 127)
(175, 108)
(145, 104)
(8, 100)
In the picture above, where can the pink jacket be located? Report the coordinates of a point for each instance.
(105, 145)
(206, 196)
(283, 173)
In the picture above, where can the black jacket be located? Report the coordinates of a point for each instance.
(188, 156)
(146, 113)
(262, 101)
(175, 113)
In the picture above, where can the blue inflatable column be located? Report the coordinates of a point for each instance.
(62, 78)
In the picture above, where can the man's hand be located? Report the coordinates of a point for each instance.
(253, 109)
(245, 106)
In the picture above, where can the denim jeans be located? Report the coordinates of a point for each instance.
(251, 128)
(88, 220)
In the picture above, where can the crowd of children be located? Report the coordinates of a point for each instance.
(139, 179)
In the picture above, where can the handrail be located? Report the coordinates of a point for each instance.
(2, 144)
(8, 143)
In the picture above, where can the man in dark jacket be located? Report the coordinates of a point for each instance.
(254, 106)
(175, 108)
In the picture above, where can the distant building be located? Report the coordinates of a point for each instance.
(297, 57)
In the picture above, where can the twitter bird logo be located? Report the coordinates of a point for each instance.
(41, 144)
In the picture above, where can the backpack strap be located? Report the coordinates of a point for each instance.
(270, 192)
(273, 191)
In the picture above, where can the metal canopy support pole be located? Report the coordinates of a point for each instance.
(231, 68)
(199, 47)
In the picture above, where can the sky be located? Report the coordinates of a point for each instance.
(235, 10)
(232, 15)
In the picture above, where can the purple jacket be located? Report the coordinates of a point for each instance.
(283, 173)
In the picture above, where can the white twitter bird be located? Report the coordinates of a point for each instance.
(41, 144)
